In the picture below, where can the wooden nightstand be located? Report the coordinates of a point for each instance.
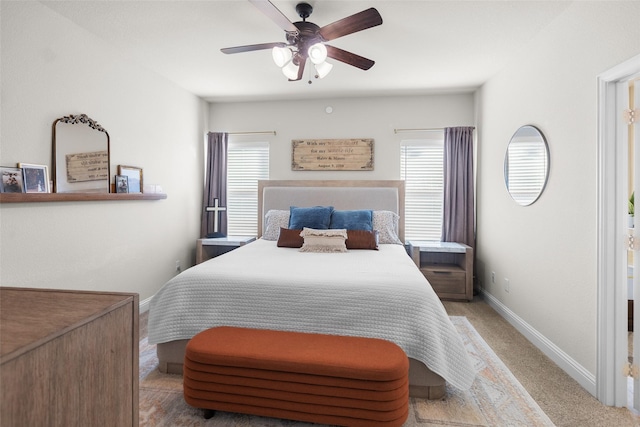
(447, 266)
(211, 248)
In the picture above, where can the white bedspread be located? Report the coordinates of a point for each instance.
(379, 294)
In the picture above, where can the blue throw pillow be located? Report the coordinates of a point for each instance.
(352, 220)
(318, 217)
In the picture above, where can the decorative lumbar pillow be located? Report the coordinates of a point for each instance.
(317, 217)
(290, 238)
(274, 221)
(386, 222)
(362, 239)
(323, 240)
(352, 220)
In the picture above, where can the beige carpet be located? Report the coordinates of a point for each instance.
(561, 397)
(495, 399)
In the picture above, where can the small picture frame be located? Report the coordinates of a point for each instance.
(134, 175)
(122, 184)
(11, 180)
(36, 178)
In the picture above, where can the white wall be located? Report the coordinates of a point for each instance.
(548, 250)
(351, 118)
(52, 68)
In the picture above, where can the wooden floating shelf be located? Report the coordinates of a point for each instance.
(76, 197)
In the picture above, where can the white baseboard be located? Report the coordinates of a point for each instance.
(576, 371)
(144, 305)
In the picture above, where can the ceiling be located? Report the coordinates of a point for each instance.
(422, 47)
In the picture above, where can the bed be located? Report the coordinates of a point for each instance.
(374, 293)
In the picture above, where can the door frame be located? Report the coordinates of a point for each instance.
(612, 346)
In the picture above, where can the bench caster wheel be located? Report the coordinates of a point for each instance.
(209, 413)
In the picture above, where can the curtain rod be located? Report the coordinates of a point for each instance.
(261, 132)
(418, 130)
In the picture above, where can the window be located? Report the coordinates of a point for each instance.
(247, 162)
(421, 167)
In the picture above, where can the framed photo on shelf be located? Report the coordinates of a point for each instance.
(134, 177)
(36, 178)
(122, 184)
(11, 180)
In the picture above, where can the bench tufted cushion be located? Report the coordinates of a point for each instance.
(342, 380)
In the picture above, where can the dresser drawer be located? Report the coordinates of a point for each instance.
(446, 280)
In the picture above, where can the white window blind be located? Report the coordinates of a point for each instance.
(247, 162)
(421, 167)
(527, 170)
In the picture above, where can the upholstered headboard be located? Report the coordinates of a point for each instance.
(375, 195)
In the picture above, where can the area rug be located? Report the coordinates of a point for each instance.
(495, 399)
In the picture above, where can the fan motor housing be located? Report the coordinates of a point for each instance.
(308, 34)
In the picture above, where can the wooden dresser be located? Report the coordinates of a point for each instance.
(68, 358)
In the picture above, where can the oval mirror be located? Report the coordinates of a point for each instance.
(80, 156)
(526, 165)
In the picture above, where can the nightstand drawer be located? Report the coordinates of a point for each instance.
(446, 280)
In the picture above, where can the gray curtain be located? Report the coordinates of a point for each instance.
(458, 223)
(215, 182)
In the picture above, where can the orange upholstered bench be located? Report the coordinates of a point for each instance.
(329, 379)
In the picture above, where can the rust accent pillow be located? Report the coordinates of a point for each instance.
(362, 239)
(290, 238)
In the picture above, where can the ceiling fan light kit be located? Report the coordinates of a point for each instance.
(290, 70)
(317, 53)
(306, 40)
(281, 55)
(323, 69)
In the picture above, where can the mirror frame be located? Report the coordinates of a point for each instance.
(548, 164)
(74, 120)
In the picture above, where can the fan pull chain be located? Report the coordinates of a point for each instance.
(309, 71)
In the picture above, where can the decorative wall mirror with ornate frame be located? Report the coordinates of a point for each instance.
(81, 156)
(526, 165)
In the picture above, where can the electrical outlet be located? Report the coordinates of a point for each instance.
(178, 267)
(506, 285)
(493, 277)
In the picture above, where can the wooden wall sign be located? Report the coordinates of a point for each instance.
(332, 154)
(92, 166)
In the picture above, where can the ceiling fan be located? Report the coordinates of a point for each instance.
(306, 40)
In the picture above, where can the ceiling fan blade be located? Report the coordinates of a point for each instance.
(303, 61)
(251, 47)
(349, 58)
(275, 15)
(351, 24)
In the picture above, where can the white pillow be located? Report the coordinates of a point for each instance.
(386, 222)
(273, 220)
(332, 240)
